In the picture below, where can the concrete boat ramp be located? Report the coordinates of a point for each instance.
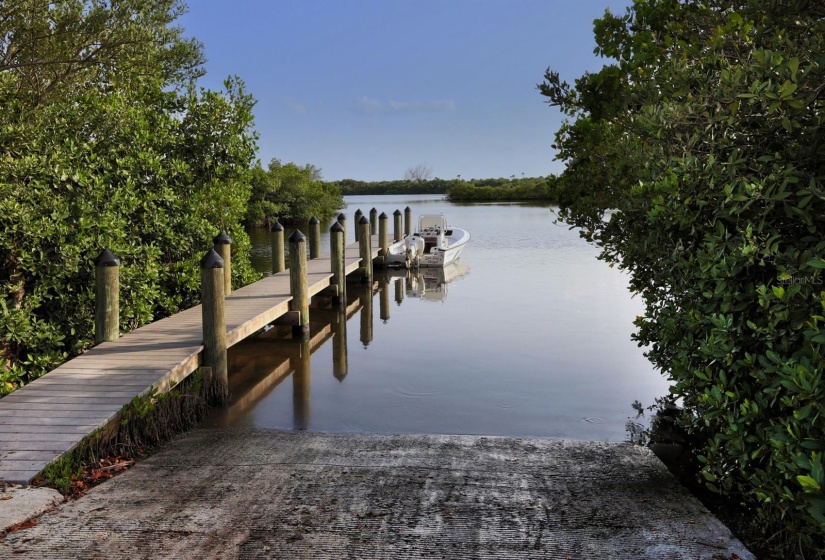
(255, 493)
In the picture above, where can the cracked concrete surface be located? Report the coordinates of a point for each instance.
(255, 493)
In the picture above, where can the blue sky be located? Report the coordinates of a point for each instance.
(366, 89)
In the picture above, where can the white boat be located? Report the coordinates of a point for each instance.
(434, 244)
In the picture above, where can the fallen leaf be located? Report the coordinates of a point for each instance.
(24, 525)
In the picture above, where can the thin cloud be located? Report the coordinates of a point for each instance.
(370, 106)
(296, 106)
(423, 106)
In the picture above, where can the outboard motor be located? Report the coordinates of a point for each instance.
(415, 244)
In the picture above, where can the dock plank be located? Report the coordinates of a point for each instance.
(48, 417)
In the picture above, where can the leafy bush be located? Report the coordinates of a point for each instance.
(119, 150)
(291, 194)
(705, 140)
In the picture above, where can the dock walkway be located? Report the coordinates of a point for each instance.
(50, 416)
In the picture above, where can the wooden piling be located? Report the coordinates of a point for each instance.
(223, 246)
(314, 238)
(397, 233)
(357, 218)
(278, 260)
(383, 237)
(365, 247)
(107, 297)
(373, 221)
(408, 221)
(336, 257)
(298, 283)
(342, 219)
(214, 323)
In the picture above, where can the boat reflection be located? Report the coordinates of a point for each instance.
(261, 363)
(430, 284)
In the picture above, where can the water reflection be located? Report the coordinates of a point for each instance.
(535, 342)
(366, 313)
(430, 284)
(301, 407)
(260, 364)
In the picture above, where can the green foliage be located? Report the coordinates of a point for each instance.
(112, 146)
(705, 138)
(401, 186)
(60, 473)
(456, 189)
(515, 189)
(291, 194)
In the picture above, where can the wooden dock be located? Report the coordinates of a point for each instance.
(50, 416)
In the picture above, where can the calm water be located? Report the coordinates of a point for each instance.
(528, 336)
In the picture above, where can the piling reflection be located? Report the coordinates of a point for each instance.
(399, 290)
(366, 294)
(259, 364)
(301, 409)
(339, 345)
(384, 297)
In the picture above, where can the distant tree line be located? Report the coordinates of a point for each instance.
(397, 186)
(529, 188)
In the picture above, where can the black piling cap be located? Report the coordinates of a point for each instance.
(383, 216)
(277, 226)
(313, 220)
(359, 213)
(363, 220)
(342, 217)
(222, 239)
(107, 258)
(373, 211)
(297, 237)
(337, 228)
(397, 212)
(211, 260)
(407, 209)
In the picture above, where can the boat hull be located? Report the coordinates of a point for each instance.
(410, 252)
(442, 257)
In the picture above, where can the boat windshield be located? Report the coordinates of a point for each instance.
(432, 221)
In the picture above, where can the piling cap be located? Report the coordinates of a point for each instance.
(397, 212)
(277, 226)
(383, 216)
(363, 220)
(313, 220)
(373, 211)
(407, 209)
(211, 260)
(222, 239)
(337, 228)
(342, 217)
(297, 237)
(359, 213)
(107, 258)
